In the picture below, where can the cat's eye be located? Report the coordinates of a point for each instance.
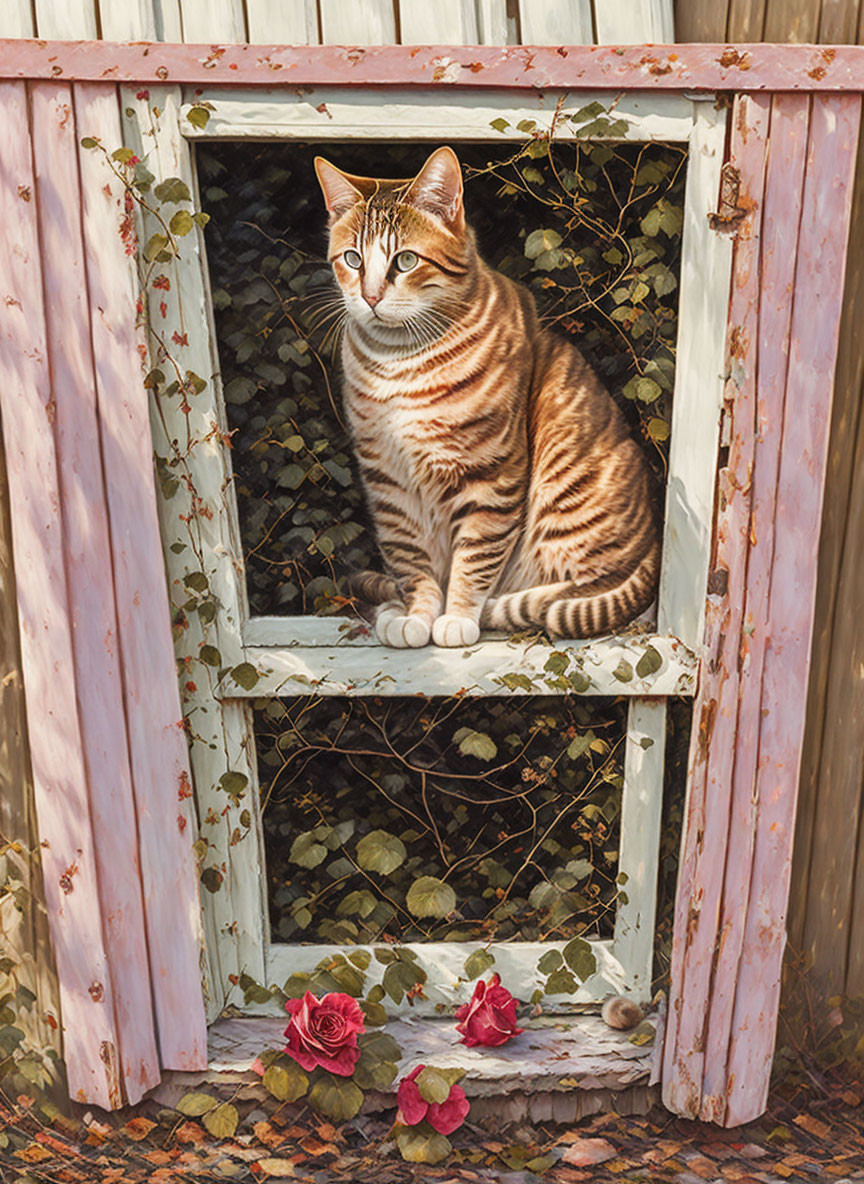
(353, 259)
(405, 260)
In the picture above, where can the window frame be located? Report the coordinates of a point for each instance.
(299, 655)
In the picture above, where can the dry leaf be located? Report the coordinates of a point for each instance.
(139, 1128)
(813, 1126)
(583, 1152)
(276, 1167)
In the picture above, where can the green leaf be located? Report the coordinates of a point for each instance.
(195, 1104)
(337, 1097)
(646, 390)
(155, 245)
(433, 1085)
(499, 124)
(560, 982)
(478, 963)
(369, 1074)
(89, 142)
(539, 241)
(245, 675)
(551, 960)
(477, 744)
(649, 662)
(430, 897)
(380, 852)
(198, 116)
(212, 878)
(234, 783)
(580, 958)
(349, 979)
(557, 663)
(306, 851)
(172, 189)
(181, 223)
(579, 745)
(650, 224)
(658, 429)
(196, 581)
(359, 903)
(123, 155)
(590, 112)
(379, 1046)
(222, 1122)
(623, 671)
(286, 1082)
(422, 1144)
(376, 1016)
(526, 125)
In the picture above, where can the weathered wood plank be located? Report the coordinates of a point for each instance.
(157, 741)
(87, 551)
(698, 395)
(16, 19)
(638, 22)
(838, 22)
(608, 68)
(834, 127)
(213, 22)
(371, 23)
(556, 22)
(24, 935)
(169, 22)
(59, 776)
(781, 212)
(70, 21)
(709, 779)
(820, 731)
(700, 20)
(494, 27)
(127, 20)
(489, 668)
(791, 20)
(293, 22)
(638, 850)
(446, 22)
(199, 522)
(746, 20)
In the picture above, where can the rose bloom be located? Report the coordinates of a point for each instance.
(444, 1116)
(324, 1032)
(490, 1017)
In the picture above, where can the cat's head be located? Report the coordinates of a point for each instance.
(400, 250)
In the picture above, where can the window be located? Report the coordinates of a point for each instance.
(235, 657)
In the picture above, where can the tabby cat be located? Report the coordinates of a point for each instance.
(505, 489)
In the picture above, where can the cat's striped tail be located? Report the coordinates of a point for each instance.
(568, 609)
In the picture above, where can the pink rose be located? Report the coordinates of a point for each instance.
(444, 1116)
(324, 1032)
(490, 1017)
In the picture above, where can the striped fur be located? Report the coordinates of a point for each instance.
(505, 488)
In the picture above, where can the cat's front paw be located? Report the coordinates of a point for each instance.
(402, 630)
(451, 630)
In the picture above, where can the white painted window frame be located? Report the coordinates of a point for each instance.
(302, 655)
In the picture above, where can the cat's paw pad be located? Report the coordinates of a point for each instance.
(450, 630)
(402, 630)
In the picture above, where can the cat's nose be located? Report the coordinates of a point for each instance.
(371, 299)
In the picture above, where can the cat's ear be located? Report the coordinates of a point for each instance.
(340, 189)
(437, 188)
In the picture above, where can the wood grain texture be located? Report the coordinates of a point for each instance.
(293, 21)
(127, 20)
(24, 935)
(371, 23)
(169, 20)
(87, 553)
(214, 22)
(700, 20)
(16, 19)
(556, 22)
(636, 23)
(72, 20)
(59, 775)
(494, 27)
(778, 244)
(791, 21)
(157, 743)
(709, 779)
(834, 128)
(745, 20)
(446, 22)
(838, 22)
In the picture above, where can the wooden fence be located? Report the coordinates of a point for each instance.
(826, 906)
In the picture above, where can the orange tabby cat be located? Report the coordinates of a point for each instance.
(504, 486)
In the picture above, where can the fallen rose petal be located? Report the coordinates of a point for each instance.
(412, 1105)
(583, 1152)
(448, 1115)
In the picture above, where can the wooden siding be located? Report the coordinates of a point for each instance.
(826, 904)
(345, 22)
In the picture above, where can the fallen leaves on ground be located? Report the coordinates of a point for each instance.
(812, 1131)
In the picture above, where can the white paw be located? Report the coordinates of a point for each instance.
(401, 630)
(451, 630)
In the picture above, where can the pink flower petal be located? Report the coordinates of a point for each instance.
(412, 1105)
(445, 1117)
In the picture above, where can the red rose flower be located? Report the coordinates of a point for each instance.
(324, 1032)
(444, 1116)
(490, 1017)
